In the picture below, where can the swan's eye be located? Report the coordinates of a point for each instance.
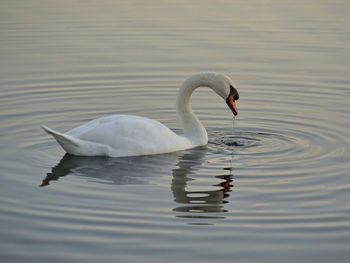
(234, 92)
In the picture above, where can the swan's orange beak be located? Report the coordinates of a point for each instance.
(232, 104)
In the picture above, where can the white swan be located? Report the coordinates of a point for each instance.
(123, 135)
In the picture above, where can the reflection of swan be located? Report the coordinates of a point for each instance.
(120, 171)
(121, 135)
(142, 169)
(199, 201)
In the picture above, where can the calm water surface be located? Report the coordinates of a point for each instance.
(272, 186)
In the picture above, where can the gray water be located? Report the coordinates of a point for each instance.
(272, 186)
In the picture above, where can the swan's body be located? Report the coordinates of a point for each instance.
(120, 135)
(124, 135)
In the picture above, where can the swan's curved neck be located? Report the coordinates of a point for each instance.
(193, 128)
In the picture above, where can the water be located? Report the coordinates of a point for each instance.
(275, 189)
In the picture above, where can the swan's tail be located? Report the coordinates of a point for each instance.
(77, 146)
(68, 143)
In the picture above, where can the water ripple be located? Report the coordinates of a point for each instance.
(274, 187)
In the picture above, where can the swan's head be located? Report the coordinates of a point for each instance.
(225, 88)
(220, 83)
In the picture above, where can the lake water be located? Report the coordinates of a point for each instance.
(271, 186)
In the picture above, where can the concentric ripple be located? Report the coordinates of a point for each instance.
(278, 170)
(252, 143)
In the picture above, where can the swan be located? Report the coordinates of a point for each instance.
(125, 135)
